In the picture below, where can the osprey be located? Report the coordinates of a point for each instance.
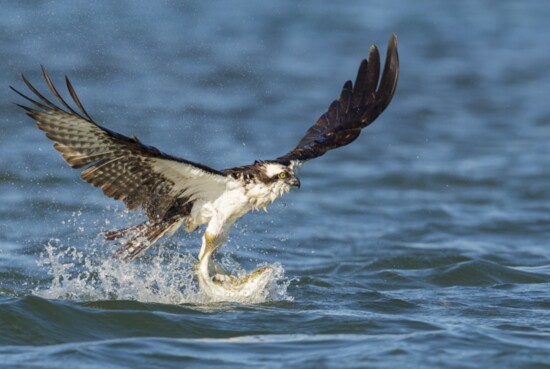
(175, 192)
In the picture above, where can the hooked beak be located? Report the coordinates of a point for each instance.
(295, 182)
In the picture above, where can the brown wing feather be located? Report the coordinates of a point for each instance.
(357, 106)
(123, 167)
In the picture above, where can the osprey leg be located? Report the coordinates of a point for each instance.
(210, 244)
(214, 236)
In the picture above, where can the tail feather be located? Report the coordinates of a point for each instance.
(141, 237)
(118, 233)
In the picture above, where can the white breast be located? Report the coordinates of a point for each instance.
(232, 204)
(260, 195)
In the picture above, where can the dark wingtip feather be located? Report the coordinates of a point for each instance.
(26, 108)
(76, 99)
(393, 40)
(390, 75)
(345, 96)
(358, 105)
(373, 73)
(45, 104)
(54, 90)
(40, 105)
(360, 78)
(49, 105)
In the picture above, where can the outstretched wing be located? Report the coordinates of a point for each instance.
(357, 107)
(123, 167)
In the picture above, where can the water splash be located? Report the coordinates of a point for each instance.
(166, 277)
(90, 272)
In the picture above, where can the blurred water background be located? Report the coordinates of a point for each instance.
(423, 244)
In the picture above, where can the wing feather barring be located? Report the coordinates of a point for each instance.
(175, 192)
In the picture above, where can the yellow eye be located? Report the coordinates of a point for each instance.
(282, 175)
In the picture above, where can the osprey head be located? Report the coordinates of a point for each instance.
(265, 181)
(278, 174)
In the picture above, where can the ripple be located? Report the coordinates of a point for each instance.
(483, 273)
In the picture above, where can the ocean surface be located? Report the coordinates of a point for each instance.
(424, 244)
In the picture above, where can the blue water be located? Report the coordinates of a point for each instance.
(423, 244)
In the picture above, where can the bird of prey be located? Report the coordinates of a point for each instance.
(175, 192)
